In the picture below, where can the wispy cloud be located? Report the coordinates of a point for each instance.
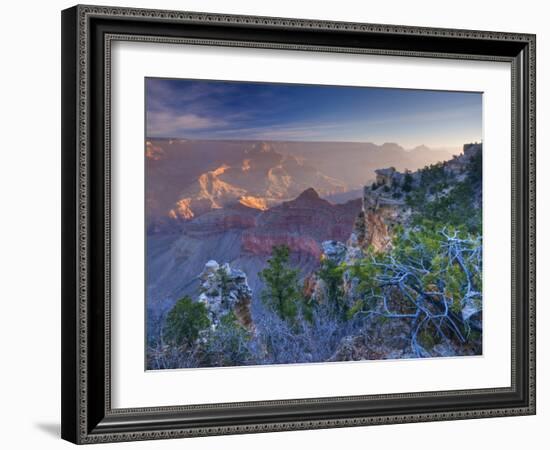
(168, 124)
(240, 110)
(301, 131)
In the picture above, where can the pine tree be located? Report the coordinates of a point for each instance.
(282, 289)
(407, 182)
(332, 274)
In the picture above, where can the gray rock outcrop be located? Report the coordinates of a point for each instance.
(225, 290)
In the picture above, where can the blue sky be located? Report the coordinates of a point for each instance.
(198, 109)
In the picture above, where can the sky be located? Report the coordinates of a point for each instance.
(202, 109)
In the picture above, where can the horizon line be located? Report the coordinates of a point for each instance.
(312, 141)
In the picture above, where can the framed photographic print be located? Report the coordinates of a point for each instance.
(280, 224)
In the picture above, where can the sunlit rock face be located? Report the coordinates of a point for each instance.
(379, 214)
(254, 202)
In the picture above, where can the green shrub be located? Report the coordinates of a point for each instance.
(429, 266)
(185, 321)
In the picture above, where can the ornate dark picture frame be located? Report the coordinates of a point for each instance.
(87, 34)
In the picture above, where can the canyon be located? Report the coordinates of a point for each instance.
(232, 201)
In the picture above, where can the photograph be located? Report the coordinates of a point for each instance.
(304, 223)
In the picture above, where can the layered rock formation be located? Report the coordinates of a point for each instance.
(301, 224)
(224, 290)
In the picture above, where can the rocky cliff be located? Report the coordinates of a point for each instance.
(388, 202)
